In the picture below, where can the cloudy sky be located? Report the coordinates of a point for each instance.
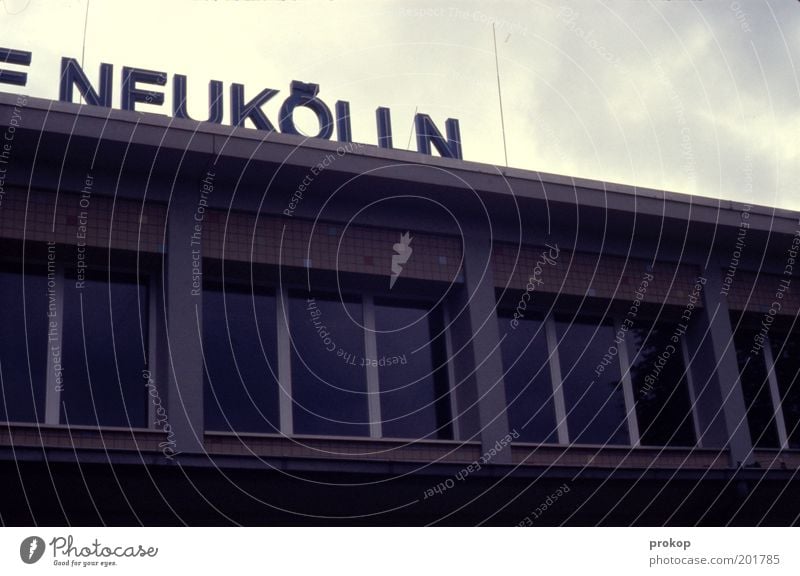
(693, 96)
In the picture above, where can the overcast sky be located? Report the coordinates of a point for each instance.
(701, 97)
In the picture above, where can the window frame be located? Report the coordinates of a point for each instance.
(625, 353)
(283, 294)
(146, 280)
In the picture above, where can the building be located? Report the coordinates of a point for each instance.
(209, 325)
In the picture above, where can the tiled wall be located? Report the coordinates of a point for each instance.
(757, 292)
(600, 276)
(358, 249)
(618, 457)
(132, 228)
(363, 250)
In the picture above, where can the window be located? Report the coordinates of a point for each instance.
(329, 386)
(398, 389)
(529, 391)
(105, 352)
(660, 389)
(755, 387)
(240, 351)
(592, 389)
(786, 354)
(23, 354)
(411, 364)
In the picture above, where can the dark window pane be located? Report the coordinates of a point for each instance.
(529, 391)
(411, 372)
(663, 405)
(755, 387)
(112, 391)
(595, 402)
(328, 376)
(786, 352)
(23, 353)
(240, 350)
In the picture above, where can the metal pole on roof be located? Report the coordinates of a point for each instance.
(85, 24)
(499, 94)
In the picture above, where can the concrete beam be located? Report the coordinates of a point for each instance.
(184, 320)
(720, 405)
(478, 367)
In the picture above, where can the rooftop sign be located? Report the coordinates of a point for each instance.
(140, 86)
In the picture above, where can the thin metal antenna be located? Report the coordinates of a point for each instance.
(85, 23)
(499, 94)
(411, 133)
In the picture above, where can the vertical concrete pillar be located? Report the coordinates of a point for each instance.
(184, 305)
(55, 339)
(720, 407)
(462, 367)
(477, 361)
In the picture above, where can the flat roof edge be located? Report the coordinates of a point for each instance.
(401, 156)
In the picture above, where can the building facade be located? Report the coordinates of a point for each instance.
(212, 325)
